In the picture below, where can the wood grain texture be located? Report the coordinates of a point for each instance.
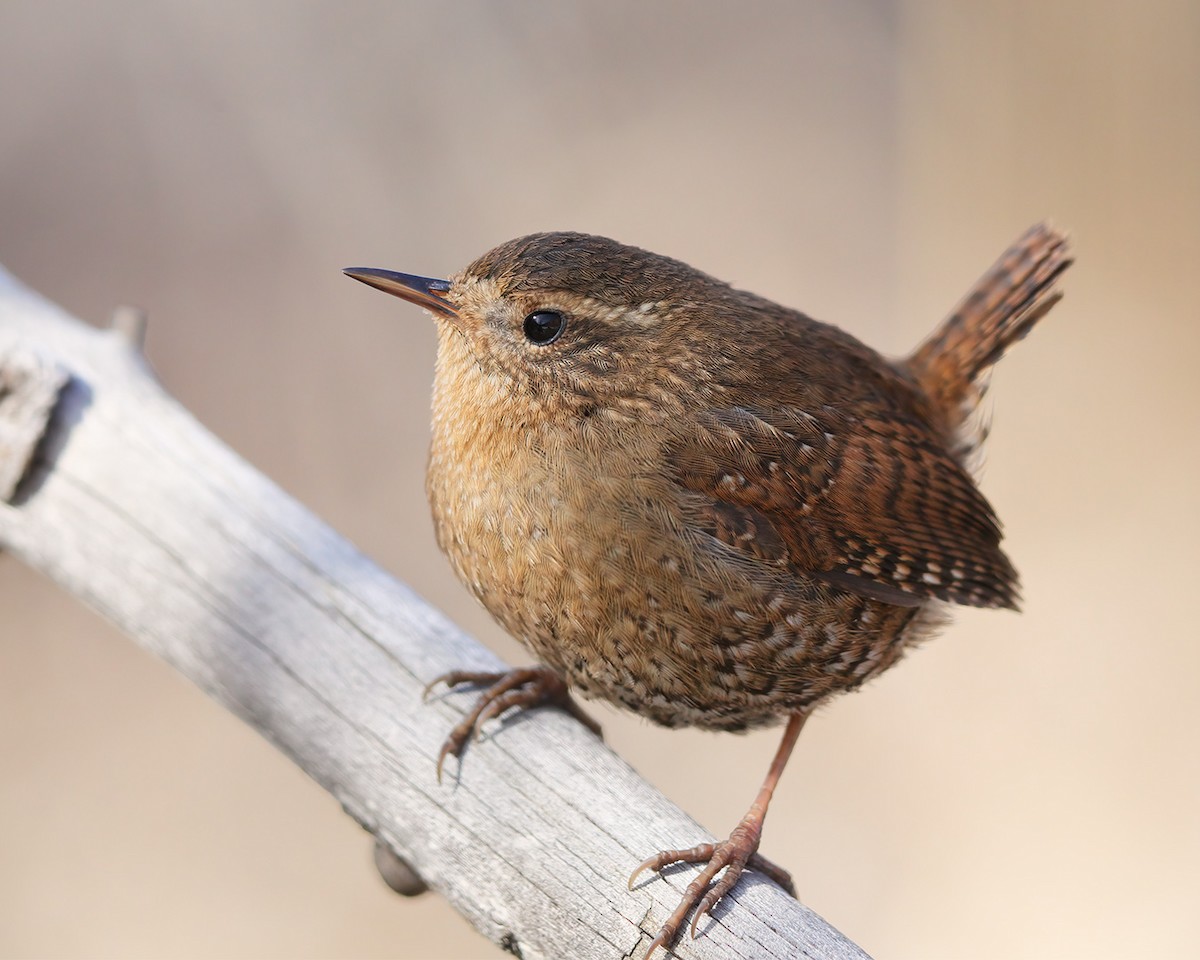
(133, 507)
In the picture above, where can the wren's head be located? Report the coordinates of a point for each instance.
(571, 321)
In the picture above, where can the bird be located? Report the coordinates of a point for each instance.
(700, 505)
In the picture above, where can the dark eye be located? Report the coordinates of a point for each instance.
(544, 326)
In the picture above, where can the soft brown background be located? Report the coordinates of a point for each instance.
(1025, 786)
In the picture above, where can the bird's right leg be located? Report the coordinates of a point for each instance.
(732, 856)
(522, 688)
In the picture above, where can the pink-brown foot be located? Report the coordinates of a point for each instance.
(522, 689)
(733, 856)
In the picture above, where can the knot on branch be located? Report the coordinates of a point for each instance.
(397, 872)
(29, 389)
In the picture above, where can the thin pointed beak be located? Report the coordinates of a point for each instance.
(424, 292)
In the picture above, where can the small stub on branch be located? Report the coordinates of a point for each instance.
(130, 323)
(29, 388)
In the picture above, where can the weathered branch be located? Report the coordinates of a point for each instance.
(115, 492)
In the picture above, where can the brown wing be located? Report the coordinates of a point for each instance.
(873, 504)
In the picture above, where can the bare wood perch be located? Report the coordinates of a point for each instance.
(109, 487)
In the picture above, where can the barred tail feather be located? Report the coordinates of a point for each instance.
(1001, 308)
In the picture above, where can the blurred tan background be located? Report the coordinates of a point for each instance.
(1026, 786)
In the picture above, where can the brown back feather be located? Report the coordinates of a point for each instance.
(861, 480)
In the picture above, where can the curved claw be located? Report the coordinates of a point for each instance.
(662, 940)
(449, 747)
(733, 872)
(701, 853)
(429, 688)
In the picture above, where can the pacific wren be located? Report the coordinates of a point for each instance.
(701, 505)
